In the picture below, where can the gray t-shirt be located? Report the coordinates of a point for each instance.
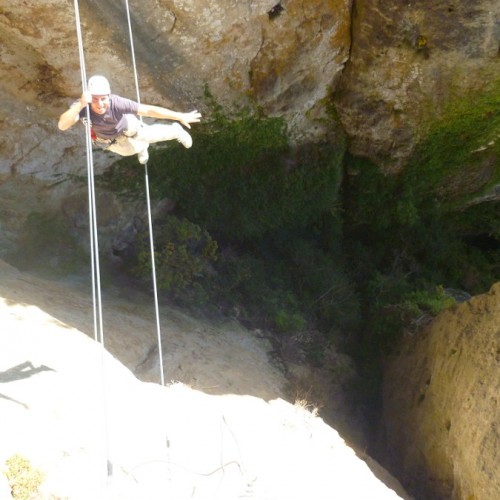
(112, 123)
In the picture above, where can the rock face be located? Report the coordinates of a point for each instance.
(392, 67)
(283, 55)
(93, 430)
(408, 60)
(442, 406)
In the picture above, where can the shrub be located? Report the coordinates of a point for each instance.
(286, 322)
(183, 255)
(431, 301)
(242, 179)
(46, 242)
(23, 478)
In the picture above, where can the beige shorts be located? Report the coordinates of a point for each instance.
(139, 136)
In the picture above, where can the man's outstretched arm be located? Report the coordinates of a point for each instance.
(167, 114)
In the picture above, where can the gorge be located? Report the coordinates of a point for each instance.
(342, 194)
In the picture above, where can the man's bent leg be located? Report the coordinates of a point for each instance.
(164, 132)
(133, 125)
(128, 146)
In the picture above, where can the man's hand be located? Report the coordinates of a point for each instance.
(191, 117)
(167, 114)
(85, 98)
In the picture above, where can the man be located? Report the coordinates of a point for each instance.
(115, 125)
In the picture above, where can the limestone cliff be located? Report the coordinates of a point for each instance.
(283, 55)
(280, 55)
(405, 62)
(392, 69)
(227, 434)
(408, 61)
(442, 407)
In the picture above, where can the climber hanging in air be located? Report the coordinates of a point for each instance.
(115, 126)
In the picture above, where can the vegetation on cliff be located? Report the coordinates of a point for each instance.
(421, 241)
(457, 162)
(308, 238)
(280, 234)
(262, 227)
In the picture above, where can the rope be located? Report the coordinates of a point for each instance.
(146, 180)
(249, 482)
(153, 270)
(132, 50)
(94, 244)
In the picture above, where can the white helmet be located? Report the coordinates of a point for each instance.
(99, 85)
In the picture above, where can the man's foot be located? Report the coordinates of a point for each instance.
(143, 156)
(184, 138)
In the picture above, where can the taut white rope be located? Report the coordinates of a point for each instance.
(94, 244)
(146, 179)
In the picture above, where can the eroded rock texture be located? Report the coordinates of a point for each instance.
(408, 60)
(283, 56)
(442, 405)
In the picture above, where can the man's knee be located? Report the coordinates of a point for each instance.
(133, 125)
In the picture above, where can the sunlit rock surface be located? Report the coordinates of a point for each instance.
(442, 406)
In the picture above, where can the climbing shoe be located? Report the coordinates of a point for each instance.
(143, 156)
(184, 138)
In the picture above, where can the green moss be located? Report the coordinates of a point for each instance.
(411, 233)
(459, 158)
